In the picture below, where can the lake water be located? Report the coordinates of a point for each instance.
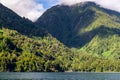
(59, 76)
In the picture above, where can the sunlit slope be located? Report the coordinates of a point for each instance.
(20, 53)
(85, 26)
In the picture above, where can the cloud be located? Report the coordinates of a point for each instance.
(110, 4)
(33, 9)
(27, 8)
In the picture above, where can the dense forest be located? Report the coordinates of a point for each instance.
(21, 53)
(90, 42)
(86, 26)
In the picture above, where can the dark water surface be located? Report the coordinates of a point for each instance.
(59, 76)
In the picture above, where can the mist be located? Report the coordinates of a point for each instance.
(109, 4)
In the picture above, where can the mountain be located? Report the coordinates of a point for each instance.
(21, 53)
(11, 20)
(85, 26)
(27, 47)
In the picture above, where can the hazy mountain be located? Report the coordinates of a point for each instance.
(85, 25)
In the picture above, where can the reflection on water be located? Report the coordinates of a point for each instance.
(59, 76)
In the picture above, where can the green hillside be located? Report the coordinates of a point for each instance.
(85, 26)
(107, 46)
(20, 53)
(82, 37)
(27, 47)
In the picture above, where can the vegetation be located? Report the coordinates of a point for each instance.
(20, 53)
(86, 27)
(87, 40)
(90, 63)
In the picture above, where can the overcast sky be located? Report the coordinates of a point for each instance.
(33, 9)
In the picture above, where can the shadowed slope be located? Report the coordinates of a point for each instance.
(71, 24)
(11, 20)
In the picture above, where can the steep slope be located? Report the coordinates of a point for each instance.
(11, 20)
(20, 53)
(27, 47)
(85, 25)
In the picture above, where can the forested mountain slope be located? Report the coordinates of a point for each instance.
(84, 25)
(22, 54)
(26, 47)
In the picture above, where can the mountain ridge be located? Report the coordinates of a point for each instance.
(12, 20)
(24, 47)
(77, 25)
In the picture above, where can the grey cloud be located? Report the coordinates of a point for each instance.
(110, 4)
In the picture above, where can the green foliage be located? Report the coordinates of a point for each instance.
(90, 63)
(107, 46)
(20, 53)
(92, 32)
(86, 27)
(29, 62)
